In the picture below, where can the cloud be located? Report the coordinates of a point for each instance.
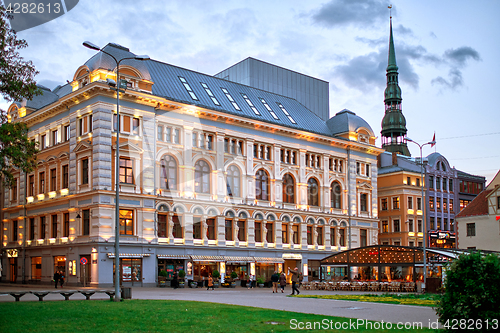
(454, 81)
(461, 55)
(362, 13)
(401, 30)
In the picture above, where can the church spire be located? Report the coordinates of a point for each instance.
(394, 123)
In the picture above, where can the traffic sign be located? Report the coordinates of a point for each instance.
(83, 261)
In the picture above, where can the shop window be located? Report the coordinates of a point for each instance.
(86, 222)
(233, 181)
(229, 229)
(211, 229)
(126, 222)
(288, 188)
(131, 270)
(60, 265)
(162, 225)
(262, 185)
(177, 230)
(312, 192)
(36, 268)
(126, 171)
(242, 232)
(168, 173)
(202, 177)
(336, 195)
(363, 237)
(54, 226)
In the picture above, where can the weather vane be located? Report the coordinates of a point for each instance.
(390, 10)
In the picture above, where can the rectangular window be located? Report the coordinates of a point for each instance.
(395, 203)
(210, 93)
(14, 190)
(270, 233)
(85, 171)
(284, 233)
(229, 230)
(135, 126)
(363, 237)
(54, 226)
(438, 203)
(258, 232)
(65, 174)
(342, 237)
(126, 222)
(411, 244)
(295, 238)
(450, 187)
(419, 226)
(431, 202)
(408, 180)
(419, 203)
(85, 124)
(309, 235)
(42, 227)
(471, 229)
(194, 139)
(418, 182)
(231, 99)
(286, 113)
(319, 240)
(439, 226)
(162, 225)
(126, 171)
(14, 230)
(445, 183)
(211, 229)
(445, 204)
(396, 226)
(383, 203)
(31, 188)
(86, 222)
(66, 133)
(197, 227)
(250, 104)
(160, 133)
(41, 187)
(269, 108)
(32, 229)
(242, 231)
(451, 205)
(43, 142)
(188, 88)
(438, 183)
(410, 202)
(333, 238)
(53, 179)
(177, 230)
(433, 223)
(363, 201)
(55, 137)
(410, 225)
(431, 182)
(66, 225)
(176, 136)
(168, 134)
(452, 225)
(498, 202)
(385, 226)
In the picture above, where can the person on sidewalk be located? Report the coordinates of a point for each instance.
(275, 279)
(282, 282)
(295, 280)
(175, 281)
(210, 282)
(251, 278)
(56, 278)
(61, 279)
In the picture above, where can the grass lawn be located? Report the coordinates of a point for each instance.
(152, 316)
(407, 299)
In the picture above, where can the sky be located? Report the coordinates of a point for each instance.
(447, 53)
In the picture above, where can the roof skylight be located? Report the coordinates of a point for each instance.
(250, 104)
(210, 93)
(286, 113)
(188, 88)
(231, 99)
(269, 108)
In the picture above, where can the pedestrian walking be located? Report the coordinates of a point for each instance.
(295, 280)
(251, 278)
(301, 278)
(275, 279)
(61, 279)
(210, 282)
(175, 281)
(282, 282)
(56, 278)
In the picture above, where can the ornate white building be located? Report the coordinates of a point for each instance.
(213, 175)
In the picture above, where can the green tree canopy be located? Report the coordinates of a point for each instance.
(16, 83)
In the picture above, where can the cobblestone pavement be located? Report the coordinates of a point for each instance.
(257, 297)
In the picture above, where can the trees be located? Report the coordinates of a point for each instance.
(16, 83)
(472, 290)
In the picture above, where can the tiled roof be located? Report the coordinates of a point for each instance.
(478, 206)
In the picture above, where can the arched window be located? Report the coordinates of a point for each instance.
(288, 189)
(312, 192)
(233, 181)
(262, 185)
(336, 195)
(202, 177)
(168, 173)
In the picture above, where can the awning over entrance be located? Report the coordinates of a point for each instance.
(209, 258)
(173, 256)
(269, 260)
(130, 255)
(238, 259)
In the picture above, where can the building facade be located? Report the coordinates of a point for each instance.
(469, 186)
(213, 175)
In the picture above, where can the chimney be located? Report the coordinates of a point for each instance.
(394, 158)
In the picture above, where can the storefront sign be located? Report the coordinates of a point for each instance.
(293, 256)
(12, 253)
(223, 268)
(305, 271)
(189, 268)
(252, 268)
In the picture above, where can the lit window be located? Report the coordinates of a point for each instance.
(250, 104)
(231, 99)
(126, 222)
(269, 108)
(286, 113)
(126, 171)
(210, 94)
(188, 88)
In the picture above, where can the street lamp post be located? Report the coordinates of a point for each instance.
(424, 233)
(117, 163)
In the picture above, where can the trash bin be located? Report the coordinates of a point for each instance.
(126, 293)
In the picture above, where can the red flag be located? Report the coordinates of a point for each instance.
(433, 140)
(498, 218)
